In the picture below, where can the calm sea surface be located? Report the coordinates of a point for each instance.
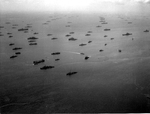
(115, 79)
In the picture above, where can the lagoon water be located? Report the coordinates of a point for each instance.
(115, 79)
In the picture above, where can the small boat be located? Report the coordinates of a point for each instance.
(17, 48)
(72, 39)
(127, 34)
(17, 53)
(67, 25)
(33, 44)
(32, 38)
(71, 73)
(104, 23)
(23, 29)
(82, 44)
(36, 33)
(86, 57)
(54, 38)
(89, 31)
(98, 26)
(57, 59)
(68, 35)
(28, 26)
(8, 23)
(1, 26)
(45, 23)
(49, 34)
(11, 44)
(101, 50)
(111, 38)
(39, 61)
(146, 31)
(119, 51)
(46, 67)
(13, 56)
(10, 36)
(13, 27)
(89, 41)
(88, 35)
(26, 31)
(106, 29)
(32, 41)
(1, 34)
(82, 53)
(129, 22)
(55, 53)
(9, 33)
(71, 33)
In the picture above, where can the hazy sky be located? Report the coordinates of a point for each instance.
(75, 5)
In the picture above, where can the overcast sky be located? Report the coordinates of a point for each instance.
(75, 5)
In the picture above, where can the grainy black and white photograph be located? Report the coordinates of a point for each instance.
(74, 56)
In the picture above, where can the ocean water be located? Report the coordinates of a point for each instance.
(108, 81)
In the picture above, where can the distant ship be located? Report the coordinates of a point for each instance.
(127, 34)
